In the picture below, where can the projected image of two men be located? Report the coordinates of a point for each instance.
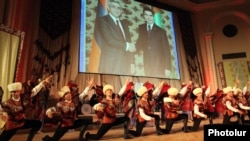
(127, 38)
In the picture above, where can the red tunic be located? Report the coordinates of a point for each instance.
(233, 102)
(187, 104)
(171, 109)
(16, 116)
(210, 104)
(68, 112)
(128, 101)
(242, 99)
(146, 106)
(219, 106)
(110, 110)
(201, 106)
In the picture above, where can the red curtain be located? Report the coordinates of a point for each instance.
(22, 15)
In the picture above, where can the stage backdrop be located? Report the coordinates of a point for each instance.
(10, 47)
(233, 70)
(89, 55)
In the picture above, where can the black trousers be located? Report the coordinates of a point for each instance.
(226, 118)
(196, 124)
(210, 116)
(60, 131)
(170, 122)
(141, 125)
(244, 121)
(104, 128)
(35, 125)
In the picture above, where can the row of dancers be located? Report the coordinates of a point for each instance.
(195, 102)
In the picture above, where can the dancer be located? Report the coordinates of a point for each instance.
(109, 108)
(161, 92)
(145, 113)
(172, 110)
(199, 108)
(66, 109)
(230, 104)
(242, 104)
(209, 100)
(187, 99)
(129, 100)
(13, 112)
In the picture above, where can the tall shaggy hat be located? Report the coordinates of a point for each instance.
(17, 86)
(172, 91)
(63, 91)
(142, 90)
(197, 91)
(106, 87)
(227, 89)
(237, 91)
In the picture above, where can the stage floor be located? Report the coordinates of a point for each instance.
(116, 133)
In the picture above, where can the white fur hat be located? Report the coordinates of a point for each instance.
(17, 86)
(237, 91)
(227, 90)
(63, 91)
(106, 87)
(142, 91)
(172, 91)
(197, 91)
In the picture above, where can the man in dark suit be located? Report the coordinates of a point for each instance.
(153, 43)
(116, 47)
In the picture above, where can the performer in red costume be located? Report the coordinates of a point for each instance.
(199, 107)
(172, 113)
(66, 109)
(129, 100)
(13, 112)
(145, 113)
(109, 108)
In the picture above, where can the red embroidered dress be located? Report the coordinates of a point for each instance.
(110, 110)
(16, 117)
(146, 107)
(201, 106)
(68, 112)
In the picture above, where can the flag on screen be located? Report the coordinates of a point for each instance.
(158, 17)
(94, 58)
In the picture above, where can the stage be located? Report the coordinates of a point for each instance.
(116, 133)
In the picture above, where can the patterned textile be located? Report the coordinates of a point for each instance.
(110, 110)
(233, 104)
(236, 70)
(201, 107)
(16, 117)
(187, 104)
(171, 109)
(55, 16)
(146, 107)
(68, 111)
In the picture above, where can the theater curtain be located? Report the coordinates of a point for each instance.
(10, 46)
